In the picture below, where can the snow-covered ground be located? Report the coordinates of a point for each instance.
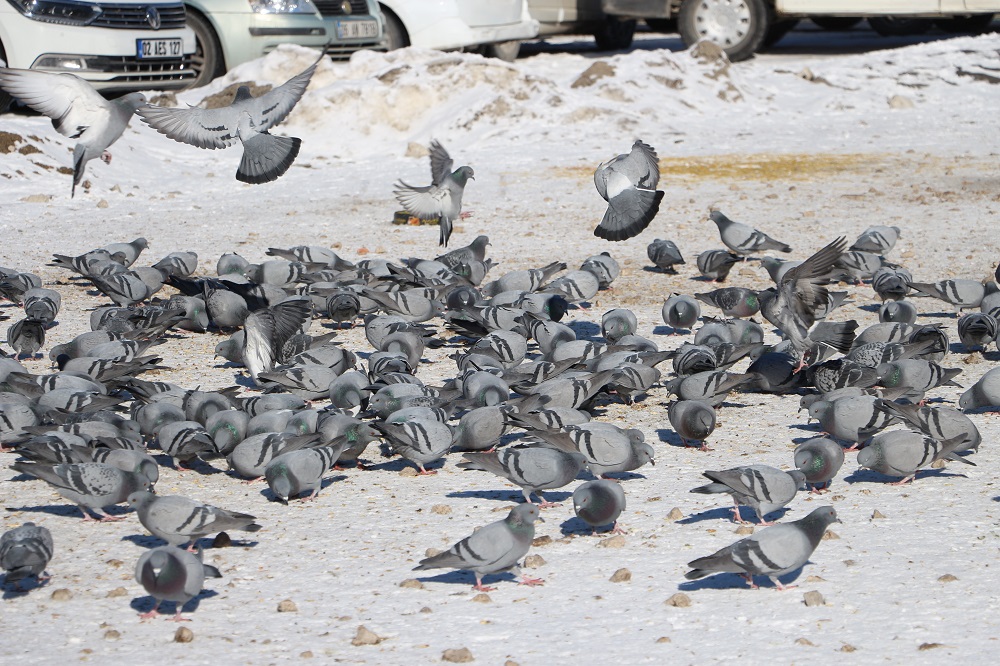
(805, 149)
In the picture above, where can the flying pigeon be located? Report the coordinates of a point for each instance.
(268, 330)
(628, 184)
(442, 199)
(77, 110)
(247, 119)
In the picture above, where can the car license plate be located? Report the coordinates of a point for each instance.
(356, 29)
(159, 48)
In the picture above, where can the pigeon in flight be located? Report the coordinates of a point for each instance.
(628, 184)
(266, 157)
(77, 110)
(441, 199)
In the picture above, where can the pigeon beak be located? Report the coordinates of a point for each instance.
(539, 520)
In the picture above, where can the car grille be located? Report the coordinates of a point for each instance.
(132, 17)
(335, 7)
(344, 51)
(130, 70)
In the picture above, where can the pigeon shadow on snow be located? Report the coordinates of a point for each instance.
(68, 510)
(727, 513)
(204, 543)
(146, 603)
(586, 330)
(267, 494)
(575, 526)
(466, 578)
(668, 436)
(21, 588)
(508, 495)
(726, 581)
(871, 476)
(666, 330)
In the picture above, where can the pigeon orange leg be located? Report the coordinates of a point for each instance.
(529, 581)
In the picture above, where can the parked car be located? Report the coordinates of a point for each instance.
(556, 17)
(231, 32)
(120, 45)
(492, 27)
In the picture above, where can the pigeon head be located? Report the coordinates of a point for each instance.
(133, 101)
(464, 174)
(870, 457)
(524, 516)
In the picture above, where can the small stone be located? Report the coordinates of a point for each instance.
(62, 594)
(365, 636)
(287, 606)
(675, 514)
(482, 598)
(876, 514)
(412, 583)
(830, 535)
(929, 646)
(222, 540)
(117, 564)
(815, 579)
(900, 102)
(183, 635)
(441, 509)
(117, 592)
(431, 552)
(813, 598)
(37, 198)
(458, 656)
(112, 635)
(617, 541)
(804, 641)
(103, 203)
(543, 540)
(623, 575)
(847, 647)
(947, 578)
(679, 600)
(939, 464)
(426, 609)
(663, 639)
(306, 655)
(849, 563)
(511, 662)
(534, 562)
(408, 471)
(743, 530)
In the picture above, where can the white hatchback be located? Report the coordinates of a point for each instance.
(115, 45)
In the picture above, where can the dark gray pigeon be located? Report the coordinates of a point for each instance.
(977, 329)
(716, 264)
(494, 548)
(247, 119)
(665, 255)
(772, 552)
(743, 239)
(533, 468)
(600, 502)
(25, 551)
(819, 459)
(442, 199)
(680, 312)
(179, 520)
(628, 183)
(168, 573)
(762, 487)
(692, 420)
(293, 473)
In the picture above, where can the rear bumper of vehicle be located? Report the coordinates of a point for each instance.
(453, 33)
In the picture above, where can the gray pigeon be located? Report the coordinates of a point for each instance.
(25, 551)
(442, 199)
(960, 293)
(762, 487)
(984, 393)
(879, 239)
(608, 448)
(819, 459)
(665, 255)
(977, 329)
(733, 301)
(268, 330)
(712, 386)
(421, 441)
(628, 183)
(168, 573)
(179, 520)
(617, 323)
(600, 502)
(604, 267)
(917, 376)
(716, 264)
(851, 418)
(250, 457)
(76, 109)
(88, 485)
(904, 452)
(247, 119)
(892, 283)
(533, 468)
(184, 441)
(772, 552)
(494, 548)
(940, 423)
(693, 420)
(743, 239)
(293, 473)
(680, 312)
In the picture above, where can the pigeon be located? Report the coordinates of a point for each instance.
(839, 373)
(711, 386)
(250, 457)
(26, 337)
(772, 552)
(247, 119)
(442, 199)
(608, 448)
(977, 329)
(168, 573)
(628, 183)
(268, 330)
(716, 264)
(984, 393)
(917, 376)
(77, 110)
(940, 423)
(617, 323)
(851, 418)
(819, 459)
(904, 452)
(494, 548)
(88, 485)
(533, 468)
(420, 441)
(692, 420)
(764, 488)
(879, 239)
(680, 312)
(891, 283)
(665, 255)
(962, 294)
(742, 239)
(26, 551)
(733, 301)
(291, 474)
(179, 520)
(600, 502)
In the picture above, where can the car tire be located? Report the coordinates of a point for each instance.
(899, 26)
(667, 26)
(739, 27)
(836, 23)
(971, 24)
(208, 62)
(506, 51)
(395, 33)
(5, 98)
(615, 34)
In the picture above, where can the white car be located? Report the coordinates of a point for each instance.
(493, 27)
(115, 45)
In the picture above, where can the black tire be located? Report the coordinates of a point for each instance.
(972, 24)
(668, 26)
(739, 27)
(5, 99)
(899, 26)
(615, 34)
(778, 30)
(836, 23)
(395, 34)
(506, 51)
(208, 62)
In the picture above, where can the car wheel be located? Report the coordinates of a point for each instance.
(836, 23)
(899, 26)
(395, 33)
(972, 24)
(207, 61)
(5, 99)
(506, 51)
(739, 27)
(662, 25)
(615, 34)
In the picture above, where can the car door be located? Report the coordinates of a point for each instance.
(480, 13)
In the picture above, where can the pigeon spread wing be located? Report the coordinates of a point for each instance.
(802, 287)
(441, 163)
(71, 103)
(204, 128)
(423, 202)
(628, 183)
(274, 106)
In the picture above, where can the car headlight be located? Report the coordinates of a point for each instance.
(57, 11)
(283, 6)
